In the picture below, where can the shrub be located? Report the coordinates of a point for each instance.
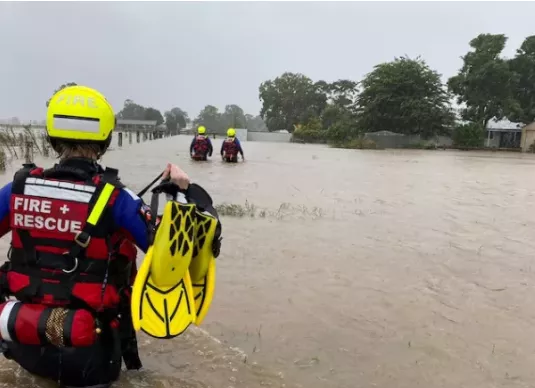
(469, 135)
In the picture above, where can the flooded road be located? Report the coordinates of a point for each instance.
(354, 269)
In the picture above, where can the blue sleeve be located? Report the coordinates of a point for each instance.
(127, 215)
(222, 146)
(5, 199)
(239, 146)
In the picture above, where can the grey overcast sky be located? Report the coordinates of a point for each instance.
(198, 53)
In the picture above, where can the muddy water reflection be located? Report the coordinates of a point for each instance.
(360, 269)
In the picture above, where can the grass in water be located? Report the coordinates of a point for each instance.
(285, 210)
(22, 145)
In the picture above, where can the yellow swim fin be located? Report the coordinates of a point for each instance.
(203, 290)
(202, 268)
(163, 303)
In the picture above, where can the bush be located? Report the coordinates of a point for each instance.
(310, 132)
(342, 131)
(469, 135)
(356, 144)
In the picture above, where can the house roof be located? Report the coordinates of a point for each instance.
(504, 126)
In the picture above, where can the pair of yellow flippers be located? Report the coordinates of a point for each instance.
(175, 284)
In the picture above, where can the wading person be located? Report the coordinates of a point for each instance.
(231, 147)
(72, 258)
(201, 145)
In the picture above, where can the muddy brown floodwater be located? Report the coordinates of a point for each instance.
(358, 269)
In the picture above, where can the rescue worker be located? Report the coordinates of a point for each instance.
(72, 257)
(231, 147)
(201, 145)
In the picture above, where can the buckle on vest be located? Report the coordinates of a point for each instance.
(74, 267)
(82, 239)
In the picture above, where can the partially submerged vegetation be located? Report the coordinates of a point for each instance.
(20, 145)
(356, 144)
(285, 210)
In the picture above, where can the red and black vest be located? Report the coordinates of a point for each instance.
(57, 256)
(201, 145)
(230, 147)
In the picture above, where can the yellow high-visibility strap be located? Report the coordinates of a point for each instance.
(100, 204)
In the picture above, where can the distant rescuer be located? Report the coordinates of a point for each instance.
(231, 147)
(201, 145)
(72, 258)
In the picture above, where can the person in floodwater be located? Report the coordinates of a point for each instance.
(72, 257)
(231, 147)
(201, 145)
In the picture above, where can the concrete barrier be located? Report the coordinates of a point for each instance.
(241, 133)
(272, 137)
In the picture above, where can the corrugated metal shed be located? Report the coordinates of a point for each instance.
(504, 126)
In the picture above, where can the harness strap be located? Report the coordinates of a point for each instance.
(129, 348)
(98, 204)
(55, 262)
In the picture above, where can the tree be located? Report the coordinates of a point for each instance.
(339, 118)
(233, 117)
(404, 96)
(211, 119)
(341, 124)
(469, 135)
(181, 116)
(175, 119)
(311, 132)
(523, 66)
(131, 111)
(289, 100)
(485, 82)
(58, 89)
(255, 123)
(343, 93)
(334, 113)
(153, 114)
(342, 131)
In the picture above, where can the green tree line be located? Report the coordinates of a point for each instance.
(408, 97)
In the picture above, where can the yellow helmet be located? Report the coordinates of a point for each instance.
(231, 132)
(80, 114)
(201, 130)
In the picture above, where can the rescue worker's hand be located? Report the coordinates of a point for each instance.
(176, 175)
